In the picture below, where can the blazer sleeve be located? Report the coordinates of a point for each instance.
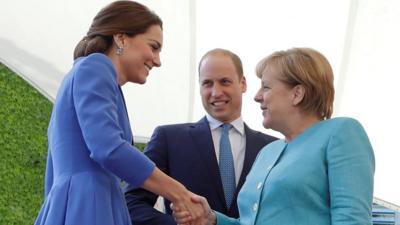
(225, 220)
(141, 202)
(95, 92)
(351, 168)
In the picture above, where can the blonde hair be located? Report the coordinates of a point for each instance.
(309, 68)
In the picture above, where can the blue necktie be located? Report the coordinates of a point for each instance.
(226, 166)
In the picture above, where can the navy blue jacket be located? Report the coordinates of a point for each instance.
(186, 153)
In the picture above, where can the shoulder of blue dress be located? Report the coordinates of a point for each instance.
(100, 60)
(99, 57)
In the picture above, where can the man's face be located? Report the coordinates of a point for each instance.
(221, 88)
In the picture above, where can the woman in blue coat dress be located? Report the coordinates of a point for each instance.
(89, 136)
(322, 172)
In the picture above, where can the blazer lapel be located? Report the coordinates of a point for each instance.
(201, 135)
(250, 155)
(274, 152)
(266, 160)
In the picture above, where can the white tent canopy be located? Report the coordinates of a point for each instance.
(360, 38)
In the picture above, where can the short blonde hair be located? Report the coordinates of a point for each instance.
(309, 68)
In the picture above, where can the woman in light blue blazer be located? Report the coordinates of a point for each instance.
(89, 136)
(322, 172)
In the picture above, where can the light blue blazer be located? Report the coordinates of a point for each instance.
(322, 177)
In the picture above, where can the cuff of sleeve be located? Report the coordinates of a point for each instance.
(222, 219)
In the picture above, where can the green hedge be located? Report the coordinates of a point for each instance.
(24, 117)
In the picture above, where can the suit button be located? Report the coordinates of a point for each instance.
(259, 185)
(255, 207)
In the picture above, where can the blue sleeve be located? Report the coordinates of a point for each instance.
(225, 220)
(351, 168)
(95, 92)
(141, 202)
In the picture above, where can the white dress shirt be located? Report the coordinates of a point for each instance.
(237, 138)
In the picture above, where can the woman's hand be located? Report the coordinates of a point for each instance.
(186, 211)
(163, 185)
(183, 217)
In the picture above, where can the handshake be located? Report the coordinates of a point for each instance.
(194, 212)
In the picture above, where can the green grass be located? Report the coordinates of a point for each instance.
(24, 117)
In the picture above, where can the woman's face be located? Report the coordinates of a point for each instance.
(140, 54)
(275, 98)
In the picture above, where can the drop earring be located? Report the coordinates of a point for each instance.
(120, 50)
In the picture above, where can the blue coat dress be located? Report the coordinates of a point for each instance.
(322, 177)
(90, 149)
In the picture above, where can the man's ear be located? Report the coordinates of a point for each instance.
(243, 84)
(298, 94)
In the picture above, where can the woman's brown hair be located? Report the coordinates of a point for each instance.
(127, 17)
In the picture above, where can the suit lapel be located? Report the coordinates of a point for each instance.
(201, 135)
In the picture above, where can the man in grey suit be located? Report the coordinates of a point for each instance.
(190, 152)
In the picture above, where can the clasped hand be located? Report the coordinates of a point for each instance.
(203, 215)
